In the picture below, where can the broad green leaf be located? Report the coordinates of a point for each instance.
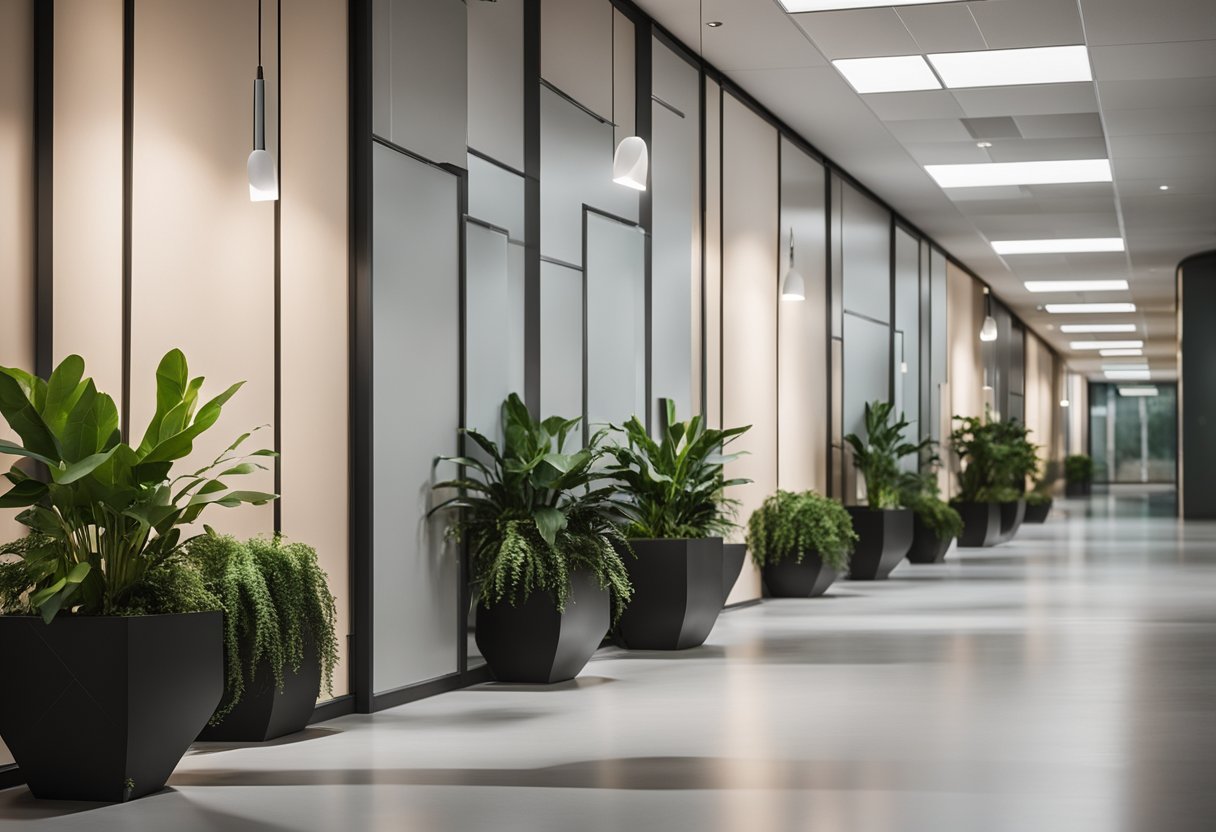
(24, 493)
(180, 444)
(549, 521)
(11, 449)
(23, 417)
(80, 469)
(172, 375)
(64, 389)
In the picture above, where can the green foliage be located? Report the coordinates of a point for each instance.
(1078, 468)
(997, 458)
(789, 526)
(276, 603)
(674, 488)
(532, 513)
(878, 456)
(919, 492)
(106, 516)
(1037, 498)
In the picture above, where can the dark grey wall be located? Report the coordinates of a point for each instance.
(1197, 385)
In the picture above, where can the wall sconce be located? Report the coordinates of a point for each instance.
(793, 287)
(263, 178)
(630, 163)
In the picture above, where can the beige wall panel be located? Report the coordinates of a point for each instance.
(749, 327)
(88, 187)
(16, 210)
(1043, 402)
(203, 254)
(313, 294)
(713, 255)
(964, 316)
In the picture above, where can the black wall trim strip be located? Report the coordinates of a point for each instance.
(485, 157)
(10, 776)
(278, 276)
(532, 391)
(643, 119)
(128, 140)
(333, 709)
(44, 186)
(422, 690)
(574, 102)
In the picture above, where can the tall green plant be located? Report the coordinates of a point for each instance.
(106, 515)
(996, 458)
(877, 456)
(533, 512)
(919, 491)
(1078, 469)
(789, 526)
(673, 488)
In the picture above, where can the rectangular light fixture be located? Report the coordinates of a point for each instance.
(1009, 67)
(1088, 308)
(1138, 390)
(796, 6)
(1069, 246)
(994, 174)
(1075, 285)
(1128, 375)
(1076, 328)
(1140, 365)
(1116, 353)
(904, 73)
(1105, 345)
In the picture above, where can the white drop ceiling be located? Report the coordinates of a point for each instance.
(1151, 110)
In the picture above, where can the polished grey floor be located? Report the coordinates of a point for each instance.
(1064, 681)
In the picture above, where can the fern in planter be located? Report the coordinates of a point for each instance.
(533, 513)
(788, 526)
(276, 603)
(878, 455)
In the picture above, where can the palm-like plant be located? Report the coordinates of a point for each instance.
(532, 513)
(878, 456)
(107, 515)
(674, 488)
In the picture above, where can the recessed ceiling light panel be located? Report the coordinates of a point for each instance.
(1058, 246)
(1009, 67)
(1116, 353)
(1128, 375)
(1071, 328)
(1088, 308)
(796, 6)
(904, 73)
(1075, 285)
(1105, 345)
(995, 174)
(1138, 390)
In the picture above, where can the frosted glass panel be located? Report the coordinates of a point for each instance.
(867, 348)
(616, 321)
(496, 196)
(489, 322)
(496, 80)
(907, 325)
(866, 247)
(561, 341)
(416, 414)
(937, 340)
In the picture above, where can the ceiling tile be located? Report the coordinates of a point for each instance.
(753, 36)
(1137, 21)
(1202, 145)
(1011, 24)
(1192, 59)
(945, 28)
(1040, 99)
(929, 130)
(1034, 150)
(1061, 126)
(946, 153)
(1175, 92)
(892, 106)
(1152, 120)
(1000, 192)
(863, 33)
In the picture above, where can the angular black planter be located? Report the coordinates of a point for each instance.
(1011, 519)
(103, 708)
(677, 593)
(809, 579)
(535, 644)
(1037, 513)
(1078, 489)
(265, 712)
(733, 556)
(927, 547)
(885, 537)
(981, 524)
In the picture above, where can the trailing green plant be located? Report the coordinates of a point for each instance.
(919, 491)
(533, 512)
(996, 458)
(877, 456)
(105, 516)
(1078, 469)
(277, 607)
(789, 526)
(674, 488)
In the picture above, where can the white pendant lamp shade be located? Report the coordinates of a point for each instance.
(263, 180)
(793, 287)
(631, 163)
(988, 330)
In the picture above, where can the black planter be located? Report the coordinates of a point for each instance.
(265, 712)
(677, 593)
(1011, 519)
(927, 547)
(808, 579)
(103, 708)
(1037, 513)
(885, 537)
(1078, 489)
(981, 524)
(733, 556)
(535, 644)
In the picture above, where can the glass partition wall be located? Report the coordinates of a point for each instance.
(1133, 432)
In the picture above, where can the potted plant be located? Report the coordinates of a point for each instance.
(671, 493)
(984, 483)
(541, 541)
(935, 524)
(1019, 462)
(800, 542)
(883, 526)
(1078, 475)
(1038, 504)
(118, 642)
(279, 641)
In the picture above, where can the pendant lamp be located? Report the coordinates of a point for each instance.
(263, 178)
(630, 163)
(793, 287)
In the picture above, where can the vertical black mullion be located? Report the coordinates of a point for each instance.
(360, 405)
(128, 138)
(532, 334)
(278, 277)
(462, 210)
(643, 120)
(585, 346)
(827, 247)
(777, 328)
(721, 255)
(701, 139)
(44, 186)
(891, 368)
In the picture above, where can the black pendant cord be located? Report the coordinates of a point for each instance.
(259, 37)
